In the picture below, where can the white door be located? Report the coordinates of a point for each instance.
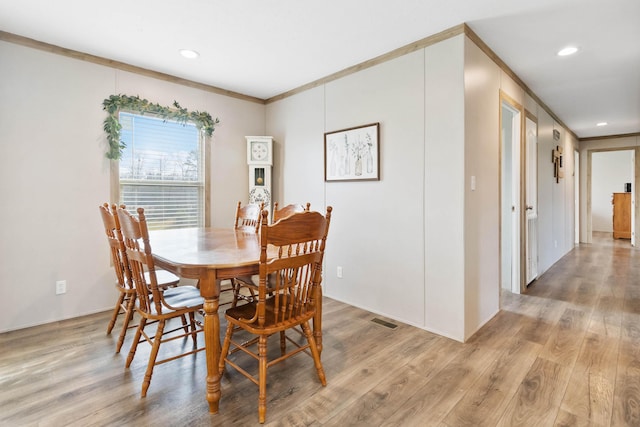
(531, 194)
(576, 193)
(633, 199)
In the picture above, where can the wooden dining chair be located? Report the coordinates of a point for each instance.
(288, 210)
(291, 250)
(248, 283)
(153, 305)
(126, 289)
(247, 219)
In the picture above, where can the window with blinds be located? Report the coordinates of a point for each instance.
(162, 171)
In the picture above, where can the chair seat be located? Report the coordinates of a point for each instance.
(180, 297)
(252, 282)
(247, 311)
(164, 278)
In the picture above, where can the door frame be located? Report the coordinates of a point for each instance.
(525, 173)
(518, 256)
(636, 181)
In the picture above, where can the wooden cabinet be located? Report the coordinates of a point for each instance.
(621, 215)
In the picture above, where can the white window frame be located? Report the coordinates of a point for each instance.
(204, 183)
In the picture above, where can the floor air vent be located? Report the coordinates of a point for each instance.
(384, 323)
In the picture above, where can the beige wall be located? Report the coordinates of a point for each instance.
(400, 240)
(482, 84)
(444, 199)
(555, 199)
(303, 161)
(361, 241)
(54, 174)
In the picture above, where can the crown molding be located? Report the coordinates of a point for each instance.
(46, 47)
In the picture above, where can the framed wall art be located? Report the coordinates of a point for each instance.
(352, 154)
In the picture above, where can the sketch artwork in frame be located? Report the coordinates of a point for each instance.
(352, 154)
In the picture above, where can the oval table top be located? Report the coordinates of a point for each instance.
(205, 247)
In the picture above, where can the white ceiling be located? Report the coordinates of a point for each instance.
(263, 48)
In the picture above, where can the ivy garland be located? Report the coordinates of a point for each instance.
(112, 126)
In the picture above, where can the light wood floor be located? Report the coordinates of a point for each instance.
(565, 354)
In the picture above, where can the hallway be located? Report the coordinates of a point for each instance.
(585, 312)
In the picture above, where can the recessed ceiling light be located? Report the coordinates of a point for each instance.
(602, 124)
(569, 50)
(189, 54)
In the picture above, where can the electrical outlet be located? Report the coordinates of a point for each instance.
(339, 272)
(61, 287)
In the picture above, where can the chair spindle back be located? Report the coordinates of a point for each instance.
(116, 244)
(138, 249)
(288, 210)
(295, 266)
(248, 217)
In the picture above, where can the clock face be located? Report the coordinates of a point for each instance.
(259, 151)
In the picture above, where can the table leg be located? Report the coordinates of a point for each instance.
(317, 321)
(212, 344)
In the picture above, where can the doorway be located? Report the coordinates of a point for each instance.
(511, 251)
(608, 172)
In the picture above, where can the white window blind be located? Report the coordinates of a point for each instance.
(161, 170)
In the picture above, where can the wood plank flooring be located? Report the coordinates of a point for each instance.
(566, 353)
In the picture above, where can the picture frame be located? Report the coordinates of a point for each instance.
(352, 154)
(556, 159)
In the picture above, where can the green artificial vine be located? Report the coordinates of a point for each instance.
(115, 103)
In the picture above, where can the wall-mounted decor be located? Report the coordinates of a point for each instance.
(116, 103)
(556, 134)
(556, 158)
(352, 154)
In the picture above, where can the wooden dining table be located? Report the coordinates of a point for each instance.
(211, 255)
